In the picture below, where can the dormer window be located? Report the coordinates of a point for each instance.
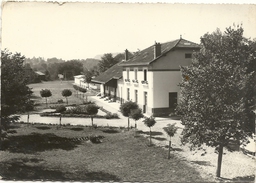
(188, 55)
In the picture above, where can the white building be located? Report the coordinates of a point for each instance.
(152, 76)
(149, 78)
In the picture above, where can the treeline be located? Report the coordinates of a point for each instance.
(53, 67)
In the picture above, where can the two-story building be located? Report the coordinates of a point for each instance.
(151, 76)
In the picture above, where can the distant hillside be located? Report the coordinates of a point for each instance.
(89, 63)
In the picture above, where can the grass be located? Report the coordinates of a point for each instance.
(56, 88)
(45, 152)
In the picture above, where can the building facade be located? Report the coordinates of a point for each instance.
(151, 77)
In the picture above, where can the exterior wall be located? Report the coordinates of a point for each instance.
(102, 89)
(141, 88)
(164, 83)
(173, 60)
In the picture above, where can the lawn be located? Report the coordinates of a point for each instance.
(56, 88)
(47, 152)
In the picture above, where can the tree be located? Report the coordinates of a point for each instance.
(136, 114)
(149, 122)
(15, 93)
(45, 93)
(92, 110)
(171, 129)
(106, 62)
(83, 90)
(66, 93)
(216, 92)
(126, 109)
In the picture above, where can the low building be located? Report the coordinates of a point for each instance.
(109, 82)
(40, 75)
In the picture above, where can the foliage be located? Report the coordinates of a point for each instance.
(110, 115)
(127, 107)
(70, 68)
(92, 110)
(171, 129)
(76, 110)
(60, 108)
(149, 122)
(106, 62)
(66, 93)
(216, 91)
(136, 114)
(45, 93)
(15, 94)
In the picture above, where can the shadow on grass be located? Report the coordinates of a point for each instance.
(43, 127)
(77, 129)
(24, 169)
(249, 178)
(204, 163)
(153, 133)
(36, 142)
(159, 138)
(110, 131)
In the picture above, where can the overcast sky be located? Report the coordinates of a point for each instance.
(84, 30)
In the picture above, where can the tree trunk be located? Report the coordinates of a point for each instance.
(46, 101)
(169, 153)
(67, 100)
(60, 119)
(28, 118)
(150, 136)
(219, 160)
(128, 123)
(92, 120)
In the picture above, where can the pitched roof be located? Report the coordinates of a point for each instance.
(146, 56)
(114, 72)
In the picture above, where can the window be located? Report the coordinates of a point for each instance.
(188, 55)
(135, 72)
(136, 96)
(128, 93)
(145, 74)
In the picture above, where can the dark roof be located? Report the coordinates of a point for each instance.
(114, 72)
(146, 56)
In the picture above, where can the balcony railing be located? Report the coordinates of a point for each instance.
(127, 80)
(135, 81)
(144, 82)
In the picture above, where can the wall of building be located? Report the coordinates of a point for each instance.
(173, 60)
(141, 88)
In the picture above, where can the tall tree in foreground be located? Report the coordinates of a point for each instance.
(15, 93)
(217, 92)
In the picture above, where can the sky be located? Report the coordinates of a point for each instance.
(84, 30)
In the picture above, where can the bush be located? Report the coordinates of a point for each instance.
(77, 110)
(60, 109)
(60, 101)
(110, 115)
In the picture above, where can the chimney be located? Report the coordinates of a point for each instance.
(157, 50)
(126, 57)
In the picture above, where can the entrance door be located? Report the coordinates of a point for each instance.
(172, 100)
